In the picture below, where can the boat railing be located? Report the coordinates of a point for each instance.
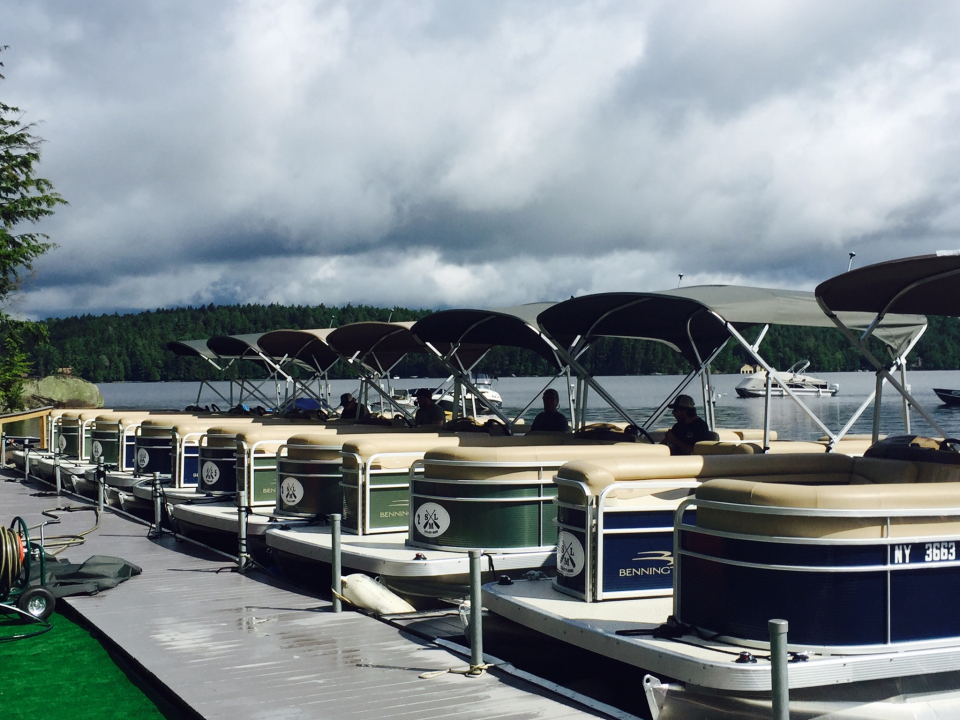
(880, 592)
(364, 488)
(612, 536)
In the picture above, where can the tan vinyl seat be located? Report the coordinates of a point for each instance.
(597, 475)
(861, 495)
(519, 462)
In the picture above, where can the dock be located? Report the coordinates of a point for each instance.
(215, 643)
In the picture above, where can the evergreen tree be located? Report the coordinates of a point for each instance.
(24, 198)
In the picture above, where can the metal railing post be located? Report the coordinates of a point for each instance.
(56, 472)
(476, 614)
(101, 480)
(157, 506)
(26, 462)
(242, 554)
(335, 567)
(779, 686)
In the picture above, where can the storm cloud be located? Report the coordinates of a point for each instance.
(434, 154)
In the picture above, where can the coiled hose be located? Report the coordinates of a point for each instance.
(12, 553)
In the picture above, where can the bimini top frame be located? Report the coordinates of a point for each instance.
(199, 349)
(697, 322)
(460, 338)
(924, 284)
(247, 347)
(307, 349)
(374, 348)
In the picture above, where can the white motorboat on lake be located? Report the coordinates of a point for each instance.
(755, 386)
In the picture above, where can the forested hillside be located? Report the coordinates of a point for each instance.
(110, 348)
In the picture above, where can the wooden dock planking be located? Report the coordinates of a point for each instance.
(244, 646)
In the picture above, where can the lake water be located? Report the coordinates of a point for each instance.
(640, 395)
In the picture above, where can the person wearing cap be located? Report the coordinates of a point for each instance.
(352, 410)
(428, 412)
(688, 430)
(551, 419)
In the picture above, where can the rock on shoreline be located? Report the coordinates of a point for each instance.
(61, 391)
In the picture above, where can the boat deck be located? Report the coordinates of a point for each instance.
(226, 645)
(691, 659)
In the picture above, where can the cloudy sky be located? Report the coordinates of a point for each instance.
(437, 154)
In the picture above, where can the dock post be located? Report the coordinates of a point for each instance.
(779, 686)
(157, 506)
(101, 480)
(56, 471)
(335, 568)
(242, 554)
(476, 615)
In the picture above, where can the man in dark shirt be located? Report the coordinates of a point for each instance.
(352, 410)
(428, 412)
(551, 419)
(689, 429)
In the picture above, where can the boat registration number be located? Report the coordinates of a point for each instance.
(915, 553)
(939, 551)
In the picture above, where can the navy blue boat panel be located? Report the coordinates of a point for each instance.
(629, 520)
(776, 553)
(923, 603)
(822, 608)
(570, 516)
(642, 561)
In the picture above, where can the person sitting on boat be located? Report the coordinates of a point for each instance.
(689, 428)
(352, 410)
(551, 419)
(428, 412)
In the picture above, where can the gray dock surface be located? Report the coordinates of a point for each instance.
(246, 646)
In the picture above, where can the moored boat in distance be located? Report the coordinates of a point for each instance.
(949, 397)
(755, 386)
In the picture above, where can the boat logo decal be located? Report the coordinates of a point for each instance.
(291, 490)
(97, 449)
(62, 442)
(662, 559)
(210, 473)
(432, 520)
(570, 557)
(143, 457)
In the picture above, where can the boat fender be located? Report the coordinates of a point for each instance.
(367, 593)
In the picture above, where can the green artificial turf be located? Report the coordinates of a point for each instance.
(64, 674)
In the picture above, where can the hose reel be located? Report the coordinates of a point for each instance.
(18, 558)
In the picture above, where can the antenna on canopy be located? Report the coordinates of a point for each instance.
(680, 280)
(850, 264)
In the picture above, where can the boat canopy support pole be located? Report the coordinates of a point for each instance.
(371, 377)
(461, 376)
(766, 414)
(860, 344)
(906, 403)
(878, 393)
(901, 360)
(766, 366)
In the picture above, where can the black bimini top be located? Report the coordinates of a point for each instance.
(235, 346)
(305, 347)
(473, 332)
(693, 320)
(379, 345)
(191, 348)
(926, 284)
(684, 325)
